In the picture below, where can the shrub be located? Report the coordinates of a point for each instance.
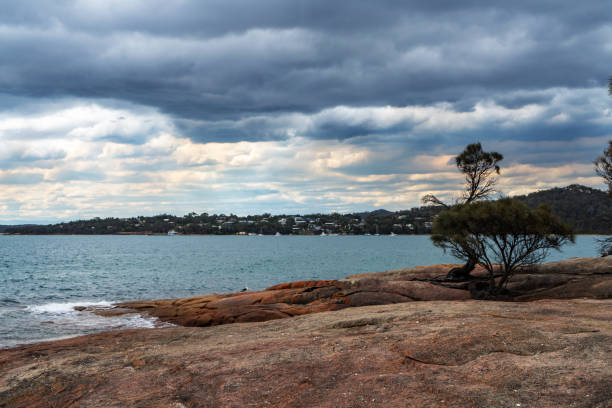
(502, 236)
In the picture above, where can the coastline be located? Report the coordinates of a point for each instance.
(306, 297)
(437, 353)
(571, 278)
(388, 339)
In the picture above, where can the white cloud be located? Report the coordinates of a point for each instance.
(91, 159)
(85, 121)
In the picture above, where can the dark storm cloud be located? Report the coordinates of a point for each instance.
(221, 60)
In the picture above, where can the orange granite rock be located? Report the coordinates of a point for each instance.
(460, 354)
(573, 278)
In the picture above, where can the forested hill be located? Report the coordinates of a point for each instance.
(587, 209)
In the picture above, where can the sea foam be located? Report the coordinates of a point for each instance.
(65, 315)
(60, 308)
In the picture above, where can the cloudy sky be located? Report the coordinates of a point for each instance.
(128, 107)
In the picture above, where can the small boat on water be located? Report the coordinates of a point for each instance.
(172, 232)
(278, 234)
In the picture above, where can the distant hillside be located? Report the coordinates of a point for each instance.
(587, 209)
(383, 222)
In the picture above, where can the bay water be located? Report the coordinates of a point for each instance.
(42, 278)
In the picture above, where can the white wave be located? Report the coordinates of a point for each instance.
(65, 316)
(59, 308)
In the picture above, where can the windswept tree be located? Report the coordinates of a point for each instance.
(479, 169)
(603, 168)
(502, 236)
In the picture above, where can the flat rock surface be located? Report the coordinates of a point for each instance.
(548, 353)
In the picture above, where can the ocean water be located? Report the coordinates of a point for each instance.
(42, 278)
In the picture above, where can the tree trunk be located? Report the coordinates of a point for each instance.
(480, 289)
(462, 273)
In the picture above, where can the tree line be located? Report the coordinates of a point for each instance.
(417, 220)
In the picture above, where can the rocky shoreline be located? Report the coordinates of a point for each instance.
(359, 342)
(572, 278)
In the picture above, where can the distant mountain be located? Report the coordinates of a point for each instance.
(376, 213)
(587, 209)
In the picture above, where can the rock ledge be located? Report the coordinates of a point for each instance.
(572, 278)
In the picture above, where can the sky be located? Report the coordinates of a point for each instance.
(125, 107)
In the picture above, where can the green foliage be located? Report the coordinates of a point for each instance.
(479, 168)
(504, 232)
(603, 167)
(414, 221)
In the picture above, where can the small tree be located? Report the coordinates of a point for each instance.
(479, 168)
(503, 236)
(603, 168)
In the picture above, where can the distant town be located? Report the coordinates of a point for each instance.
(588, 210)
(414, 221)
